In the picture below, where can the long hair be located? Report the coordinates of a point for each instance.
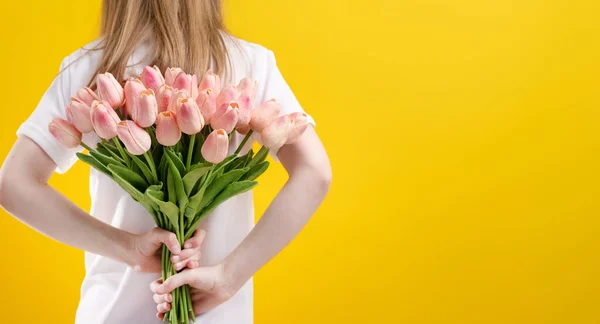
(188, 34)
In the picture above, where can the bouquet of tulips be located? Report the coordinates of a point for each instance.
(165, 141)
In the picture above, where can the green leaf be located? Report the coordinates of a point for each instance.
(182, 198)
(233, 189)
(94, 163)
(106, 160)
(144, 168)
(171, 193)
(236, 163)
(168, 208)
(130, 189)
(131, 177)
(194, 203)
(219, 168)
(113, 152)
(177, 162)
(249, 156)
(218, 185)
(259, 157)
(192, 177)
(256, 171)
(197, 157)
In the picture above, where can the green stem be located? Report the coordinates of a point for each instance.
(246, 138)
(122, 151)
(85, 146)
(190, 152)
(152, 165)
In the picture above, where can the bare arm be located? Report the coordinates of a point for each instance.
(309, 178)
(25, 193)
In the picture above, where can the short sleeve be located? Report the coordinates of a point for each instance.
(274, 86)
(51, 105)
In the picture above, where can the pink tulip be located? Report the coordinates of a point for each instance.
(227, 95)
(133, 88)
(207, 102)
(65, 133)
(104, 119)
(135, 138)
(216, 146)
(110, 90)
(187, 83)
(164, 97)
(189, 118)
(152, 78)
(78, 113)
(243, 129)
(247, 88)
(227, 120)
(145, 109)
(264, 115)
(87, 95)
(300, 123)
(170, 75)
(175, 97)
(276, 133)
(210, 81)
(167, 131)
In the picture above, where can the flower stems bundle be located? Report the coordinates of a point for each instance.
(165, 140)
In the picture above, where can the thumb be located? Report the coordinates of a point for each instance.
(160, 235)
(198, 278)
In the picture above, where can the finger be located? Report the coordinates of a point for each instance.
(168, 238)
(158, 298)
(163, 307)
(196, 240)
(166, 298)
(154, 284)
(178, 280)
(192, 264)
(185, 254)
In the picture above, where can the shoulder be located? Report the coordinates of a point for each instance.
(247, 59)
(78, 68)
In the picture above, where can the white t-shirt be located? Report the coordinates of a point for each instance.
(111, 292)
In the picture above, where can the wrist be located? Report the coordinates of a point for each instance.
(233, 275)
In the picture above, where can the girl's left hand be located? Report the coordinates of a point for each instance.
(210, 288)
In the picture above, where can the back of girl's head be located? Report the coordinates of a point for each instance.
(184, 33)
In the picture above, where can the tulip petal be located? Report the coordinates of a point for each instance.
(216, 146)
(65, 132)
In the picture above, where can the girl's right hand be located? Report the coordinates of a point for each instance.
(144, 250)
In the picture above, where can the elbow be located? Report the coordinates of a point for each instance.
(322, 176)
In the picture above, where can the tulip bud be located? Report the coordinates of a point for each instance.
(163, 97)
(170, 75)
(78, 113)
(110, 90)
(216, 146)
(145, 109)
(188, 116)
(300, 123)
(248, 88)
(187, 83)
(207, 103)
(276, 133)
(133, 88)
(175, 97)
(64, 132)
(210, 81)
(264, 115)
(227, 95)
(87, 95)
(152, 78)
(135, 138)
(227, 120)
(104, 120)
(167, 131)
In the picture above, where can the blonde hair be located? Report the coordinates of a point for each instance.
(188, 34)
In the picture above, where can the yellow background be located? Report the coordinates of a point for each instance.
(464, 142)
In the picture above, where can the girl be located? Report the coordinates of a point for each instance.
(118, 236)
